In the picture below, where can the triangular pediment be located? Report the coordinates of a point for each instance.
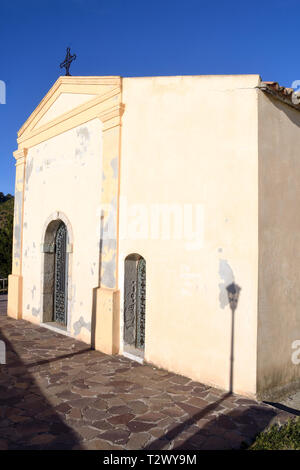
(63, 103)
(67, 96)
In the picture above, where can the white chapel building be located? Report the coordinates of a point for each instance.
(159, 217)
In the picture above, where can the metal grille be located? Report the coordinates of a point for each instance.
(60, 283)
(141, 304)
(134, 302)
(130, 302)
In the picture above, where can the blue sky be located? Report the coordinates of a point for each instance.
(136, 38)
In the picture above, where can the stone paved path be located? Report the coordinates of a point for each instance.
(56, 393)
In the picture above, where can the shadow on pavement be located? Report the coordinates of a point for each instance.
(27, 419)
(282, 407)
(234, 430)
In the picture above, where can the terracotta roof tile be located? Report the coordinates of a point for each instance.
(285, 94)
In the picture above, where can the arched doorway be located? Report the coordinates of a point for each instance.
(55, 291)
(134, 304)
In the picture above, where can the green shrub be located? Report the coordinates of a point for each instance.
(6, 234)
(285, 437)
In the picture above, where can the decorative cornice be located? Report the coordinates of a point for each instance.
(20, 155)
(111, 113)
(112, 117)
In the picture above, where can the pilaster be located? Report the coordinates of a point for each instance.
(108, 296)
(14, 308)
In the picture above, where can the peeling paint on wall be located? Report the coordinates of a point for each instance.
(114, 165)
(35, 312)
(49, 162)
(84, 138)
(93, 268)
(60, 167)
(81, 324)
(108, 245)
(33, 291)
(17, 241)
(73, 298)
(17, 223)
(83, 133)
(108, 272)
(29, 168)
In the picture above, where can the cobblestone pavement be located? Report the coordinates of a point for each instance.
(56, 393)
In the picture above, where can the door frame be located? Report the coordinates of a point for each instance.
(48, 272)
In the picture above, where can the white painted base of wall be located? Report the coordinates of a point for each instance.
(133, 357)
(55, 327)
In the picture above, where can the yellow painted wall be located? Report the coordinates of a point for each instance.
(187, 141)
(279, 241)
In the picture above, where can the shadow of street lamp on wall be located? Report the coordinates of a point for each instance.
(233, 292)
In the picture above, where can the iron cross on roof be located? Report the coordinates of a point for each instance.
(68, 60)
